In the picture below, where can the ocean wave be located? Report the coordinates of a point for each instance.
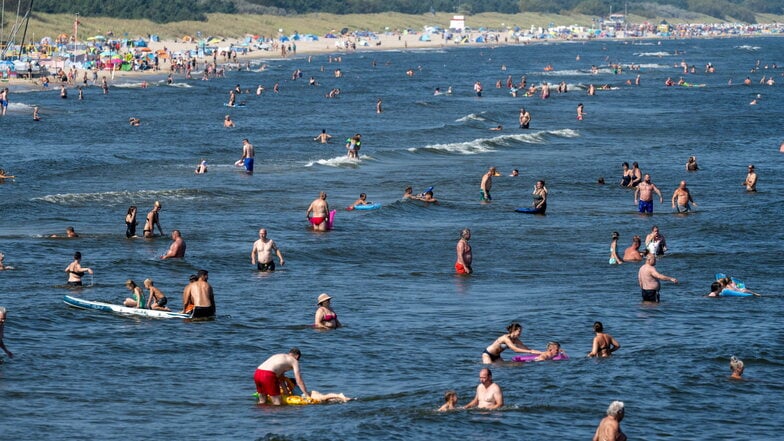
(128, 85)
(484, 145)
(747, 47)
(471, 117)
(652, 54)
(182, 85)
(120, 197)
(570, 72)
(339, 161)
(13, 107)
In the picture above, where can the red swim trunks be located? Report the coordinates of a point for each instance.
(317, 220)
(460, 268)
(266, 383)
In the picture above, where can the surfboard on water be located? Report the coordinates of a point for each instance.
(120, 309)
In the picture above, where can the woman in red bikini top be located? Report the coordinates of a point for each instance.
(326, 318)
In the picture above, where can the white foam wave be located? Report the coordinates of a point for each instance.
(118, 196)
(13, 107)
(746, 47)
(182, 85)
(653, 54)
(471, 117)
(484, 145)
(127, 85)
(339, 161)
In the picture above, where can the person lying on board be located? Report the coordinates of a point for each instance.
(553, 350)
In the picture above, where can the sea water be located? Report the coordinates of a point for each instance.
(413, 329)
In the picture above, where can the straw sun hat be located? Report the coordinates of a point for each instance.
(323, 298)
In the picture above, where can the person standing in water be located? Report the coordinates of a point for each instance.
(648, 279)
(464, 255)
(261, 253)
(76, 271)
(488, 394)
(2, 333)
(248, 154)
(751, 179)
(153, 220)
(487, 184)
(130, 222)
(318, 212)
(610, 427)
(603, 344)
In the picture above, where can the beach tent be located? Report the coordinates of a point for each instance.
(424, 37)
(283, 38)
(140, 43)
(480, 39)
(330, 35)
(310, 37)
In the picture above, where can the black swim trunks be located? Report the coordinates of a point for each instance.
(162, 302)
(203, 312)
(650, 295)
(269, 266)
(77, 283)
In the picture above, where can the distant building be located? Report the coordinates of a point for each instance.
(614, 22)
(457, 23)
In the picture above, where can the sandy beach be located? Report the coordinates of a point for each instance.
(294, 49)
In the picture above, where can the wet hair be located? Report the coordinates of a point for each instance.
(716, 286)
(362, 195)
(598, 327)
(615, 235)
(636, 239)
(408, 190)
(201, 272)
(736, 363)
(295, 352)
(464, 232)
(130, 283)
(146, 281)
(635, 164)
(77, 256)
(615, 408)
(626, 164)
(70, 229)
(131, 208)
(553, 343)
(448, 395)
(514, 326)
(192, 278)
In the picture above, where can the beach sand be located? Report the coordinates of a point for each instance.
(322, 46)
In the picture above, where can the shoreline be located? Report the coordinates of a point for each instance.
(306, 49)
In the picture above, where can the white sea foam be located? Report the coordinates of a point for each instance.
(471, 117)
(118, 196)
(339, 161)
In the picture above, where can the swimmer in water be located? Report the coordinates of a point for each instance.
(510, 340)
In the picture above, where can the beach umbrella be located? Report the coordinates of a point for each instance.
(283, 38)
(98, 37)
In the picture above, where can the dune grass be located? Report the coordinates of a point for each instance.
(235, 26)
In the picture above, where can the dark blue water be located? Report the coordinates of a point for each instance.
(413, 328)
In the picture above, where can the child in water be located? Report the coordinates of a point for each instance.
(450, 401)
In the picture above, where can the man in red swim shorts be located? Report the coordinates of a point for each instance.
(318, 211)
(464, 256)
(268, 374)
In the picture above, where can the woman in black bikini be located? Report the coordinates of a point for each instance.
(76, 271)
(603, 344)
(510, 340)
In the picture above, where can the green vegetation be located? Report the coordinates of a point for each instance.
(168, 11)
(248, 18)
